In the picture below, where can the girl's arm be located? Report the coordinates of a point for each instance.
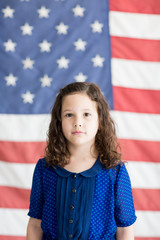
(125, 233)
(34, 231)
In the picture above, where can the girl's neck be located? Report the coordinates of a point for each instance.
(81, 159)
(82, 153)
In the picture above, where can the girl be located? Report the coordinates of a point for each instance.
(81, 189)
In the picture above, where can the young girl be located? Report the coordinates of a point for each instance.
(81, 189)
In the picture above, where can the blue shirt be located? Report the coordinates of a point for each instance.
(85, 206)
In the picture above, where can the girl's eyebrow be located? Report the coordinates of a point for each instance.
(85, 109)
(67, 110)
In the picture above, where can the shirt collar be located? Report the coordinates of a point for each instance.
(93, 171)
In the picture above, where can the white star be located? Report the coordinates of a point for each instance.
(26, 29)
(45, 46)
(96, 27)
(80, 77)
(46, 81)
(80, 44)
(43, 12)
(9, 45)
(28, 63)
(63, 62)
(97, 61)
(78, 11)
(28, 97)
(8, 12)
(11, 80)
(62, 28)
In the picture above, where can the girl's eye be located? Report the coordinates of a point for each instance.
(87, 114)
(68, 115)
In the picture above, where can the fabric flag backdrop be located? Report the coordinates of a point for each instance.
(48, 44)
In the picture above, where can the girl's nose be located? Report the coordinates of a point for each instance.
(77, 125)
(78, 121)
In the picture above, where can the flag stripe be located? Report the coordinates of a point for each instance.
(31, 128)
(149, 171)
(147, 238)
(20, 197)
(146, 199)
(20, 175)
(6, 237)
(147, 224)
(135, 150)
(132, 150)
(141, 126)
(135, 49)
(135, 74)
(21, 152)
(15, 223)
(144, 101)
(136, 6)
(16, 174)
(134, 25)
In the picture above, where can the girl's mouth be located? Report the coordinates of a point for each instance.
(77, 132)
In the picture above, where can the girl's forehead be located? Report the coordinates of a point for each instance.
(76, 100)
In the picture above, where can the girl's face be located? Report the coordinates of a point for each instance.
(80, 120)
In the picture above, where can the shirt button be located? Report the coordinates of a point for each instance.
(72, 206)
(74, 176)
(70, 235)
(74, 190)
(70, 220)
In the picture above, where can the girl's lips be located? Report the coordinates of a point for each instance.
(77, 132)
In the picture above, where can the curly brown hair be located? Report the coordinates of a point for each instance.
(106, 142)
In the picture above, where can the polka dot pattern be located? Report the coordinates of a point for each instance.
(111, 204)
(43, 199)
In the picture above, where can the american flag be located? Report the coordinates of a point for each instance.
(48, 44)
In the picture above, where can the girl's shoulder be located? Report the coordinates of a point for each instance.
(41, 166)
(118, 171)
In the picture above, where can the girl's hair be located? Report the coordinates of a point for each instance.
(106, 142)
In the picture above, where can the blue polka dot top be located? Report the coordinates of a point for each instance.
(81, 206)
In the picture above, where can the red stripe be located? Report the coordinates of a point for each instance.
(136, 150)
(136, 6)
(21, 152)
(135, 49)
(14, 197)
(133, 150)
(136, 100)
(146, 199)
(4, 237)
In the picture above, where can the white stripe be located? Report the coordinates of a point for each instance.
(134, 25)
(24, 127)
(16, 175)
(137, 125)
(144, 174)
(136, 74)
(34, 127)
(147, 224)
(13, 222)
